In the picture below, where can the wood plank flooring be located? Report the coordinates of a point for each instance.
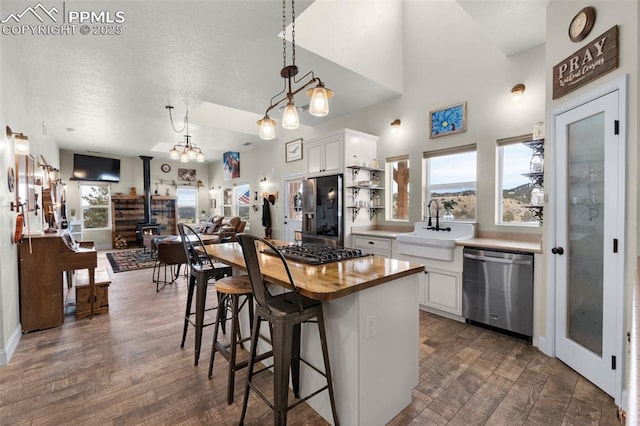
(127, 368)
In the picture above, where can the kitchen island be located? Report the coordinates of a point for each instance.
(371, 317)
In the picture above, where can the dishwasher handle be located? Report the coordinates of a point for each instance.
(497, 259)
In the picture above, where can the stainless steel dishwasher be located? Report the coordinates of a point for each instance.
(497, 290)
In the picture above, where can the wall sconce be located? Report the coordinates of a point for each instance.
(264, 179)
(395, 126)
(516, 93)
(21, 142)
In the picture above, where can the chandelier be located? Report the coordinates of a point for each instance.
(184, 151)
(319, 104)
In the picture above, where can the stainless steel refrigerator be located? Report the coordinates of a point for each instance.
(322, 215)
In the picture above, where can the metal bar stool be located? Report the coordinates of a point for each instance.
(229, 290)
(285, 313)
(202, 270)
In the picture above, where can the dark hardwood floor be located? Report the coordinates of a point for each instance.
(127, 368)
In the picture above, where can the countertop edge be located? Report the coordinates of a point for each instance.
(414, 269)
(491, 243)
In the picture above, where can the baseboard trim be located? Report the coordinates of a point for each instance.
(7, 353)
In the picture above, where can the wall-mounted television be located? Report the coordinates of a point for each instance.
(87, 167)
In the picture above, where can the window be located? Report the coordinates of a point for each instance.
(187, 204)
(95, 205)
(243, 198)
(397, 172)
(227, 202)
(237, 202)
(450, 178)
(514, 189)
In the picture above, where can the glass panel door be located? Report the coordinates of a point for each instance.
(586, 232)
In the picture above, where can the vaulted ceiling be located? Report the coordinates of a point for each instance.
(221, 60)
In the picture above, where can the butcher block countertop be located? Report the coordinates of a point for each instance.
(499, 244)
(322, 282)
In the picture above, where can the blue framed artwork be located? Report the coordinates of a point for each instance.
(448, 120)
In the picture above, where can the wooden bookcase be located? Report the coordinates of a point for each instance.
(126, 212)
(164, 210)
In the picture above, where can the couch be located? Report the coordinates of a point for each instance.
(224, 227)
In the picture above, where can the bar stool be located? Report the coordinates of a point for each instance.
(202, 270)
(229, 290)
(285, 313)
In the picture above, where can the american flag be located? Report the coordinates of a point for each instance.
(245, 198)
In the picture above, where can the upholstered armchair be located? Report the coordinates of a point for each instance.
(225, 228)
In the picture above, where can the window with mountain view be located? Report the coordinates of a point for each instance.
(514, 189)
(95, 205)
(450, 178)
(187, 204)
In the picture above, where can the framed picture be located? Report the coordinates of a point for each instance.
(448, 120)
(231, 165)
(293, 150)
(188, 175)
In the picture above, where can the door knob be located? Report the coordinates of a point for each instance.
(557, 250)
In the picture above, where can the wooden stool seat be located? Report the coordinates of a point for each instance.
(239, 284)
(83, 292)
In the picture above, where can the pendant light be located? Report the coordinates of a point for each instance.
(319, 104)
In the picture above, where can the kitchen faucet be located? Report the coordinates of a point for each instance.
(429, 223)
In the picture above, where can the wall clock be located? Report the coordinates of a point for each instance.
(165, 168)
(582, 23)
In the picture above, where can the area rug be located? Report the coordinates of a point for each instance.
(130, 260)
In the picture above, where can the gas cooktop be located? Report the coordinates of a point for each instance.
(317, 254)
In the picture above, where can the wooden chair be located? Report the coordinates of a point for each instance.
(285, 313)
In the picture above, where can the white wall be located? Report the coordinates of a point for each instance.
(131, 176)
(21, 115)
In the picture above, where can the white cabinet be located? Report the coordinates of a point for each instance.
(325, 156)
(440, 284)
(373, 245)
(442, 290)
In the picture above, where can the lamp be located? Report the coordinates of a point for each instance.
(516, 92)
(395, 126)
(21, 141)
(184, 151)
(319, 103)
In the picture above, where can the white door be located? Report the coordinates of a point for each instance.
(588, 227)
(293, 208)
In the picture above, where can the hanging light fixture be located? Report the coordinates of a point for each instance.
(184, 151)
(319, 104)
(21, 141)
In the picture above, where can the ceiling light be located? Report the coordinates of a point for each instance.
(319, 105)
(516, 92)
(21, 141)
(184, 151)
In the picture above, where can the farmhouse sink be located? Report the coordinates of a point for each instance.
(432, 244)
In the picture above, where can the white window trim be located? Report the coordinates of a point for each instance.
(427, 189)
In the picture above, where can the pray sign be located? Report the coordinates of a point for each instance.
(592, 61)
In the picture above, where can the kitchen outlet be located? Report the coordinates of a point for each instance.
(371, 326)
